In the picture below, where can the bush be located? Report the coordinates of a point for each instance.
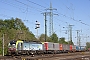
(0, 47)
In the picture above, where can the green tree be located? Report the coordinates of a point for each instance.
(42, 38)
(14, 29)
(87, 45)
(54, 38)
(70, 42)
(0, 47)
(62, 41)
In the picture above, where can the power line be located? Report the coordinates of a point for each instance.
(65, 16)
(73, 19)
(29, 6)
(5, 15)
(11, 4)
(14, 5)
(36, 3)
(59, 13)
(78, 37)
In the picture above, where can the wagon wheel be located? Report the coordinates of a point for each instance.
(28, 53)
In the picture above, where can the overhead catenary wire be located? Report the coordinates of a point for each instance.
(43, 7)
(5, 16)
(64, 15)
(14, 5)
(11, 4)
(21, 7)
(29, 6)
(61, 14)
(36, 3)
(72, 18)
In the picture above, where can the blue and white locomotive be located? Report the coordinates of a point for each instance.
(25, 47)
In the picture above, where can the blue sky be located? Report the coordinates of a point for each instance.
(30, 11)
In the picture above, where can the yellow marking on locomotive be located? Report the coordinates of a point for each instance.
(23, 59)
(42, 42)
(18, 42)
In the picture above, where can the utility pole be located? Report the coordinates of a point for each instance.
(3, 44)
(70, 29)
(45, 28)
(86, 38)
(78, 37)
(79, 40)
(60, 31)
(45, 15)
(51, 19)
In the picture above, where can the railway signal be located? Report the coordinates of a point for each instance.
(37, 26)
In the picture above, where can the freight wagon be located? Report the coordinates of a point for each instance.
(73, 48)
(80, 48)
(50, 47)
(64, 48)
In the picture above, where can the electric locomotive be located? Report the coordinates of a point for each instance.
(21, 47)
(13, 47)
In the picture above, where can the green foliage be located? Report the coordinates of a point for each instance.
(42, 38)
(14, 29)
(87, 45)
(62, 41)
(70, 42)
(0, 47)
(54, 38)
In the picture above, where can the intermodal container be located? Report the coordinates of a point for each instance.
(48, 46)
(82, 48)
(64, 47)
(56, 46)
(71, 47)
(77, 48)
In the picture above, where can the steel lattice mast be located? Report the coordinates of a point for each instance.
(51, 19)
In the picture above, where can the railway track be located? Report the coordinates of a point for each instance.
(65, 56)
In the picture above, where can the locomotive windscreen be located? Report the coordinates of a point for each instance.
(12, 42)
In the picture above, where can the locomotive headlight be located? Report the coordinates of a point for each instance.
(31, 53)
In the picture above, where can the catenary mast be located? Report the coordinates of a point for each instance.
(51, 19)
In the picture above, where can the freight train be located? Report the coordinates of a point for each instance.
(22, 47)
